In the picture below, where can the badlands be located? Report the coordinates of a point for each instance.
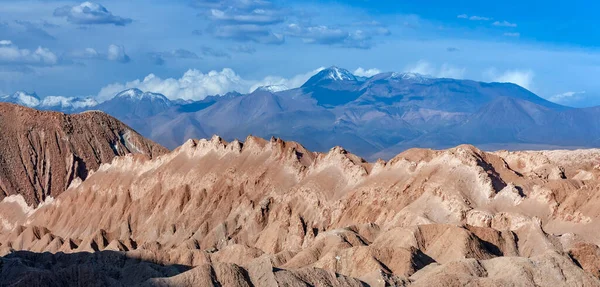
(271, 213)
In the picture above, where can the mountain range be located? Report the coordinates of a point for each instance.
(272, 213)
(375, 117)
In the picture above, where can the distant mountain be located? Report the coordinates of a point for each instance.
(377, 116)
(22, 98)
(64, 104)
(134, 104)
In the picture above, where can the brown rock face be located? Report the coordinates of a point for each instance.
(271, 213)
(41, 153)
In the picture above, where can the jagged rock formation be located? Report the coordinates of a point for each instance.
(268, 213)
(41, 153)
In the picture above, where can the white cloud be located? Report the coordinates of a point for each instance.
(504, 24)
(90, 13)
(290, 83)
(12, 54)
(422, 68)
(479, 18)
(567, 97)
(195, 85)
(523, 78)
(117, 53)
(448, 71)
(87, 53)
(256, 16)
(473, 18)
(113, 53)
(366, 73)
(445, 71)
(324, 35)
(512, 34)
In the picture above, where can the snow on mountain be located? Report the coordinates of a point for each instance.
(22, 98)
(273, 88)
(331, 74)
(138, 95)
(409, 76)
(66, 103)
(337, 74)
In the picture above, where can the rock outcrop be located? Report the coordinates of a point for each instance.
(41, 153)
(271, 213)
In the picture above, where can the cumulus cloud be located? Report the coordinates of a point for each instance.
(195, 85)
(88, 13)
(523, 78)
(113, 53)
(504, 24)
(12, 54)
(285, 83)
(567, 97)
(448, 71)
(87, 53)
(117, 53)
(243, 20)
(445, 71)
(366, 73)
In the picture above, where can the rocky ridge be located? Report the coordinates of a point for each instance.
(41, 153)
(268, 213)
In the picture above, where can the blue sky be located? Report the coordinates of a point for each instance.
(190, 49)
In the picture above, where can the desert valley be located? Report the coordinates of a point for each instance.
(87, 201)
(291, 143)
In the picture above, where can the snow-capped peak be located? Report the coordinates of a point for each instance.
(137, 94)
(332, 74)
(337, 74)
(273, 88)
(22, 98)
(409, 76)
(68, 102)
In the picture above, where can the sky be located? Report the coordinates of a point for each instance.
(194, 48)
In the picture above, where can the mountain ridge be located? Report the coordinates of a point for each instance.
(375, 116)
(274, 209)
(44, 152)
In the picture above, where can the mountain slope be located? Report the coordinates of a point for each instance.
(134, 104)
(41, 153)
(271, 213)
(375, 117)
